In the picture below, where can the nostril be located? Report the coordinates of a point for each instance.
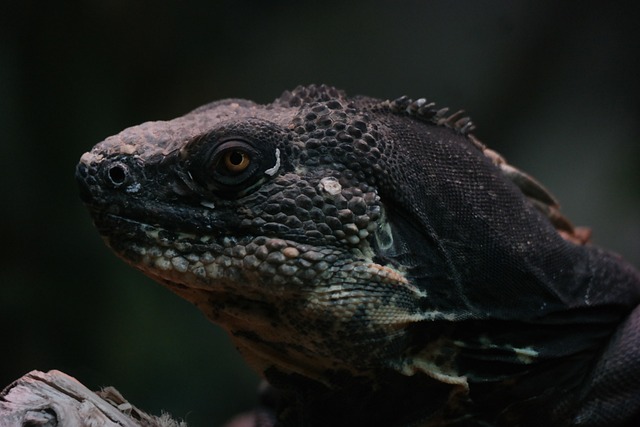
(117, 174)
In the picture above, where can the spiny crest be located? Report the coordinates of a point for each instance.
(428, 111)
(538, 195)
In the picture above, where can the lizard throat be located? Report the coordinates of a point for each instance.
(284, 303)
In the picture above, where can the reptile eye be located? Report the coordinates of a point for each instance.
(236, 161)
(229, 168)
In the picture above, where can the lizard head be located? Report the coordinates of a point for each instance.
(332, 235)
(267, 219)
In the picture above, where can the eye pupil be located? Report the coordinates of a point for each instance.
(236, 158)
(236, 161)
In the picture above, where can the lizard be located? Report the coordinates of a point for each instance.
(375, 262)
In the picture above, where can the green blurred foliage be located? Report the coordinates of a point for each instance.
(551, 85)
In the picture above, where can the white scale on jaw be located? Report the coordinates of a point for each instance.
(271, 172)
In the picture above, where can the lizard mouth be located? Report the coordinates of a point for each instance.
(214, 260)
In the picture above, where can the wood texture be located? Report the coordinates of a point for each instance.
(40, 399)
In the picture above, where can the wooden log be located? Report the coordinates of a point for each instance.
(54, 399)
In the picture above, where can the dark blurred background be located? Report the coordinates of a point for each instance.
(553, 86)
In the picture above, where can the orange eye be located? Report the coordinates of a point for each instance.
(236, 161)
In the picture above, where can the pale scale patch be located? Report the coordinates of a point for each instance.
(330, 185)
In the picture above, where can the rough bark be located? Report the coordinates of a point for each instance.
(52, 399)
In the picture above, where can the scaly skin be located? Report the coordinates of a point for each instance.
(375, 262)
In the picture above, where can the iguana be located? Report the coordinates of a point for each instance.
(375, 263)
